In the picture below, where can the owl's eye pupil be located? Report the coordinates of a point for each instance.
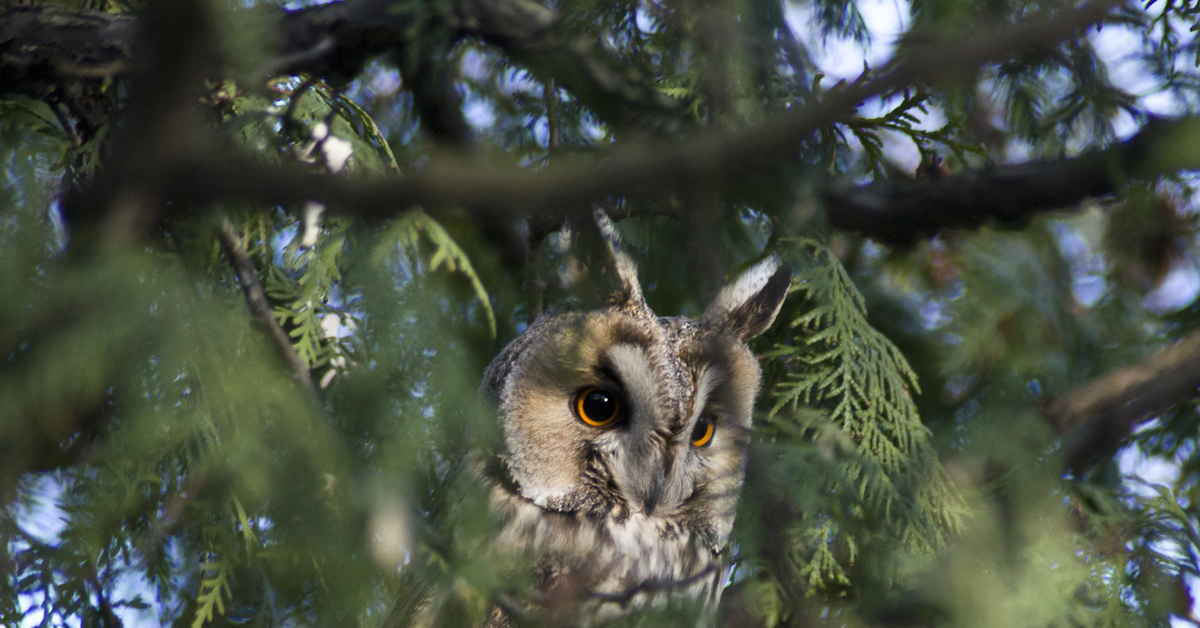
(597, 407)
(703, 432)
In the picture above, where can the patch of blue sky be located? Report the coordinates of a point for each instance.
(1120, 48)
(480, 114)
(842, 58)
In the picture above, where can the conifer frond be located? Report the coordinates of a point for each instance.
(839, 363)
(405, 233)
(214, 588)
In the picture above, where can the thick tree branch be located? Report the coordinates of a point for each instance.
(899, 212)
(1096, 417)
(260, 309)
(714, 157)
(43, 48)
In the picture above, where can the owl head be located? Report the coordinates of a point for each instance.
(618, 412)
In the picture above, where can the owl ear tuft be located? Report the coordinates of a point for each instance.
(748, 306)
(625, 289)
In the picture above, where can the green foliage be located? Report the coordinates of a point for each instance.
(405, 233)
(842, 413)
(903, 119)
(840, 363)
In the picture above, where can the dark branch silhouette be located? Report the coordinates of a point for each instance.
(335, 40)
(43, 49)
(899, 212)
(715, 157)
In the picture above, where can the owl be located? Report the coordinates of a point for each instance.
(625, 438)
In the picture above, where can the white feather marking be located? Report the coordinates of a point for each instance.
(636, 373)
(747, 284)
(710, 377)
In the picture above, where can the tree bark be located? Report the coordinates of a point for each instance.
(1093, 419)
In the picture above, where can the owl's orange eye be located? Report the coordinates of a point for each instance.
(597, 407)
(703, 432)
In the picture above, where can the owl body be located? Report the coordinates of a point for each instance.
(625, 437)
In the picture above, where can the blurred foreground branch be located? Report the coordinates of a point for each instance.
(719, 158)
(46, 48)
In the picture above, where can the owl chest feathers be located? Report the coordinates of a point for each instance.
(613, 563)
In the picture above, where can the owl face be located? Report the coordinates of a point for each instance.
(620, 413)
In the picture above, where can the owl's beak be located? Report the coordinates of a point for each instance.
(652, 494)
(643, 479)
(653, 486)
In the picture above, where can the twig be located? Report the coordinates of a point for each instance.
(534, 286)
(513, 609)
(260, 310)
(299, 58)
(550, 94)
(65, 123)
(288, 119)
(108, 618)
(169, 521)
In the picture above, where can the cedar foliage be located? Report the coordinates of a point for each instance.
(160, 465)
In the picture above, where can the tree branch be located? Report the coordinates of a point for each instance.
(41, 46)
(44, 47)
(1097, 416)
(898, 212)
(260, 309)
(715, 157)
(718, 158)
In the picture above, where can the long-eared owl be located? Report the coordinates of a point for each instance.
(625, 438)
